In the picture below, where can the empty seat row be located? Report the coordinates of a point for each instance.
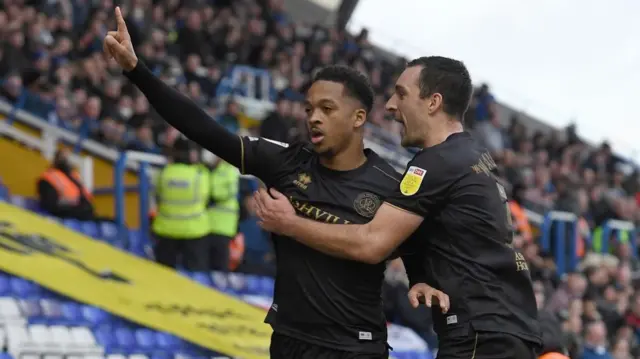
(21, 288)
(52, 311)
(411, 355)
(235, 283)
(128, 340)
(39, 339)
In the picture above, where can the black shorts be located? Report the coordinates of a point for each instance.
(284, 347)
(480, 345)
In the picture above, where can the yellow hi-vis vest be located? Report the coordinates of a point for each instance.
(182, 193)
(224, 213)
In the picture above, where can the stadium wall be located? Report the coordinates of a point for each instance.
(21, 169)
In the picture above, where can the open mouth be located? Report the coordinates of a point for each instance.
(316, 136)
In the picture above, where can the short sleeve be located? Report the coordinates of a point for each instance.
(423, 185)
(263, 157)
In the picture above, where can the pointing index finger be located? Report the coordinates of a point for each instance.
(122, 26)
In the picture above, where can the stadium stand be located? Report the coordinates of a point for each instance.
(245, 61)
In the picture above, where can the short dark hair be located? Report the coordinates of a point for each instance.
(448, 77)
(355, 83)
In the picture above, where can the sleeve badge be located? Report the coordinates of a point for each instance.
(412, 180)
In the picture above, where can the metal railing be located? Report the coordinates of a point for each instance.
(559, 236)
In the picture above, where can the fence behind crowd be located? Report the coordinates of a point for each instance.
(559, 236)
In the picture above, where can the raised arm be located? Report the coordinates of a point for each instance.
(186, 116)
(370, 243)
(177, 109)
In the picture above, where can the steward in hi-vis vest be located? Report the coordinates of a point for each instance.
(224, 212)
(181, 226)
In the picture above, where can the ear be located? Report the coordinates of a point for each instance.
(435, 103)
(360, 117)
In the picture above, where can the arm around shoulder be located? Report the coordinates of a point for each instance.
(369, 243)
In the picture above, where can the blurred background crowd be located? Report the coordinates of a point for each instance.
(51, 65)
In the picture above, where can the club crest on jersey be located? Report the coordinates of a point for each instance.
(412, 180)
(366, 204)
(302, 181)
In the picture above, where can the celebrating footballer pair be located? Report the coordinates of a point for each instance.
(339, 212)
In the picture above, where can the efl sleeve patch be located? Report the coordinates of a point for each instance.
(412, 180)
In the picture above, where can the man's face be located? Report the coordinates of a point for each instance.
(332, 117)
(408, 108)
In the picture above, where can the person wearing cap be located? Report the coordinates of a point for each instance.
(181, 226)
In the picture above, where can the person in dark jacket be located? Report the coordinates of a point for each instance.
(277, 126)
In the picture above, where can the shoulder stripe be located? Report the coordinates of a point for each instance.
(387, 174)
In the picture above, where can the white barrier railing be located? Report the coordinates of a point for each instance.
(46, 144)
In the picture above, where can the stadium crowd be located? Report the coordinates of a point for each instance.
(51, 64)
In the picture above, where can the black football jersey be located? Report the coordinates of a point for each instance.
(319, 298)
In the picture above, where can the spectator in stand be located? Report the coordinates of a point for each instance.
(487, 123)
(144, 141)
(278, 125)
(230, 119)
(573, 288)
(12, 88)
(61, 192)
(595, 345)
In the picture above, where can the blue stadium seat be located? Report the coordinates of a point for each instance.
(5, 356)
(5, 285)
(95, 316)
(104, 336)
(266, 287)
(108, 231)
(52, 311)
(146, 339)
(136, 240)
(125, 339)
(237, 282)
(4, 193)
(411, 355)
(161, 355)
(220, 280)
(72, 224)
(32, 310)
(18, 201)
(253, 284)
(31, 204)
(72, 313)
(90, 229)
(202, 278)
(138, 252)
(167, 341)
(184, 272)
(118, 244)
(23, 288)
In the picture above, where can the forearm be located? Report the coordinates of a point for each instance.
(348, 241)
(186, 116)
(414, 267)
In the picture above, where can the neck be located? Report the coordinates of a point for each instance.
(349, 159)
(439, 134)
